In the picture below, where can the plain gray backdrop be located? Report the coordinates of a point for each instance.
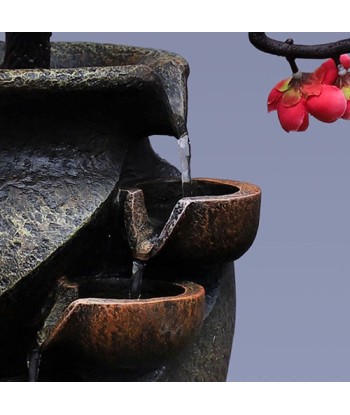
(293, 285)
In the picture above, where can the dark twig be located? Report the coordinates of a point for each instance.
(291, 60)
(292, 51)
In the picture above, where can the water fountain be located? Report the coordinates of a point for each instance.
(86, 203)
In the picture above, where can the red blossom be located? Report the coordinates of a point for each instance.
(329, 106)
(325, 94)
(343, 83)
(288, 97)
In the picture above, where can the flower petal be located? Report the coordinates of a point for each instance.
(305, 122)
(329, 106)
(291, 97)
(273, 99)
(283, 86)
(293, 118)
(327, 73)
(276, 94)
(310, 89)
(346, 114)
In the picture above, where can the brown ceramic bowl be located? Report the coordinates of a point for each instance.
(218, 222)
(120, 333)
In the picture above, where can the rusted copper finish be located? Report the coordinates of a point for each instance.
(124, 333)
(210, 227)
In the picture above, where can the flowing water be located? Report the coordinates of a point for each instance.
(137, 274)
(185, 160)
(33, 364)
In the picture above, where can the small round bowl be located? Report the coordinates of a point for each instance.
(218, 222)
(105, 330)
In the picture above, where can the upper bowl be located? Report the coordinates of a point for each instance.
(218, 222)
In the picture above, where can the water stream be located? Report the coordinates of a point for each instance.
(137, 274)
(33, 364)
(185, 160)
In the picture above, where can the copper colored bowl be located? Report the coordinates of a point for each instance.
(123, 333)
(218, 222)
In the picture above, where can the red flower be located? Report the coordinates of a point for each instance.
(315, 93)
(288, 97)
(346, 92)
(345, 61)
(329, 104)
(327, 73)
(343, 83)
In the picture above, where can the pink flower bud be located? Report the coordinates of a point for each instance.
(345, 61)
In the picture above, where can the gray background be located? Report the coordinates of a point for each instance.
(293, 285)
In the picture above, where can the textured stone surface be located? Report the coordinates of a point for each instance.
(49, 189)
(70, 136)
(59, 164)
(83, 66)
(64, 135)
(172, 69)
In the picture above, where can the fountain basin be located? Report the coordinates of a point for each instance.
(102, 329)
(65, 134)
(218, 222)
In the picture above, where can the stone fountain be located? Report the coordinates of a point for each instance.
(84, 199)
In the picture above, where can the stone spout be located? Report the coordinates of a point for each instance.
(123, 69)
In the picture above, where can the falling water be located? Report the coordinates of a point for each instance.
(137, 273)
(185, 159)
(33, 364)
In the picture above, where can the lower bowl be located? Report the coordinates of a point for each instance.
(101, 328)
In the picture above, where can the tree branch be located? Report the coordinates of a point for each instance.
(292, 51)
